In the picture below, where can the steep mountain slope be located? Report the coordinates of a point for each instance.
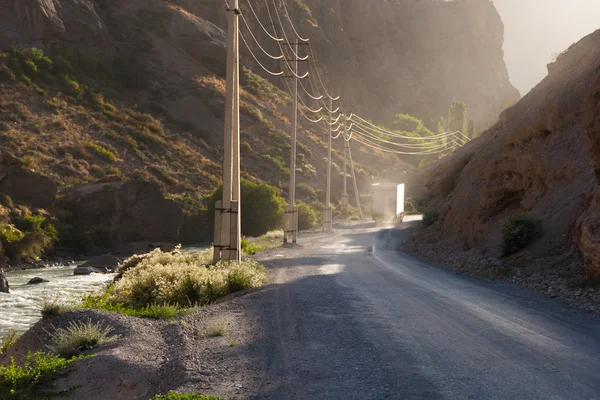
(135, 89)
(541, 158)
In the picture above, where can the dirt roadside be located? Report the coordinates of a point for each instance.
(557, 276)
(220, 350)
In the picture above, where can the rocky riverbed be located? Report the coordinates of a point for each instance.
(560, 276)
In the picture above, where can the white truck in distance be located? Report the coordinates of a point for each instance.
(388, 203)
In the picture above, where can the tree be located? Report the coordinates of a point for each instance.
(457, 117)
(472, 130)
(262, 207)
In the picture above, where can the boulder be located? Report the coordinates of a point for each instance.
(116, 214)
(37, 280)
(24, 186)
(4, 286)
(100, 265)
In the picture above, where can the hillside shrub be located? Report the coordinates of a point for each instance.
(307, 216)
(519, 231)
(101, 151)
(7, 74)
(262, 207)
(306, 192)
(430, 218)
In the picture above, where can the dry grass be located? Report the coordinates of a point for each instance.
(181, 279)
(216, 327)
(80, 336)
(53, 306)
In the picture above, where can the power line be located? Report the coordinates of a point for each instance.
(258, 43)
(260, 23)
(283, 32)
(256, 59)
(291, 23)
(312, 54)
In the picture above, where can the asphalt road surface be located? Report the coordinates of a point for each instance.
(352, 318)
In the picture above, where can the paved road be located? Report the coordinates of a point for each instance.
(351, 318)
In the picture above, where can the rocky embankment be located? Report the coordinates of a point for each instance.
(540, 158)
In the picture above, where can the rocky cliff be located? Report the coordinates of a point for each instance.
(542, 157)
(414, 56)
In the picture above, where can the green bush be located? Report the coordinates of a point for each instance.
(519, 231)
(305, 191)
(38, 223)
(187, 396)
(430, 218)
(102, 152)
(249, 248)
(307, 216)
(262, 207)
(7, 74)
(18, 381)
(409, 208)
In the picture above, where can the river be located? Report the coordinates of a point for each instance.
(20, 308)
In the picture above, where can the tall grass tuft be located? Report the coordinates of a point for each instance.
(80, 336)
(9, 340)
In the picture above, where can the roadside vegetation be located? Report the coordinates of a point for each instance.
(21, 381)
(430, 218)
(164, 284)
(8, 341)
(519, 231)
(80, 336)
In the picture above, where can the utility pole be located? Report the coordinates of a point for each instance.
(327, 213)
(345, 191)
(291, 212)
(355, 185)
(227, 211)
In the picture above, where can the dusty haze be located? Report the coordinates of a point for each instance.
(536, 29)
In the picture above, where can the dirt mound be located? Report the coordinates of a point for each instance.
(536, 159)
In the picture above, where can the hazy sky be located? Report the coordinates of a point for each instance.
(535, 29)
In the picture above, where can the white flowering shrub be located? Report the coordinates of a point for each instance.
(182, 279)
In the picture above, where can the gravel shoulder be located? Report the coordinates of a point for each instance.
(555, 276)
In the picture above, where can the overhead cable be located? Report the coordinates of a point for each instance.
(260, 23)
(284, 35)
(312, 54)
(258, 43)
(256, 59)
(291, 23)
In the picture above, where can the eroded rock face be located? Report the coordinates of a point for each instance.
(124, 212)
(535, 159)
(590, 221)
(23, 186)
